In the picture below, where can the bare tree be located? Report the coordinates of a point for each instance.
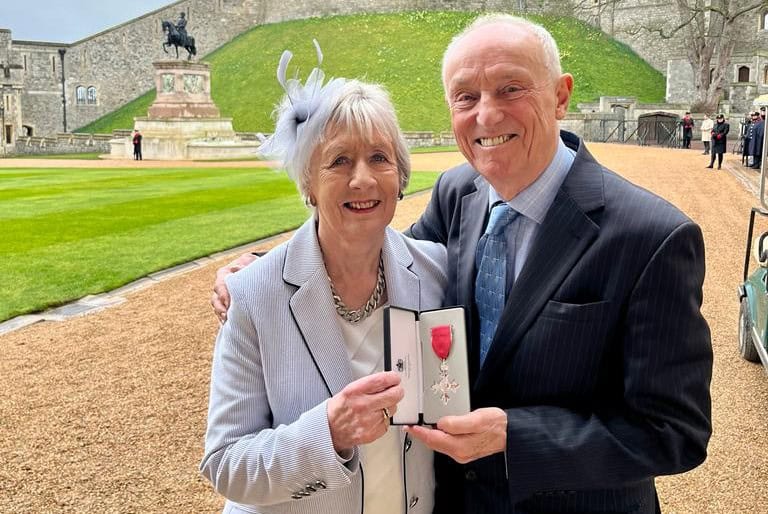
(707, 31)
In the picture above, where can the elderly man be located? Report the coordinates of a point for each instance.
(590, 359)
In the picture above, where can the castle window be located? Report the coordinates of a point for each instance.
(765, 75)
(743, 74)
(80, 95)
(91, 96)
(764, 20)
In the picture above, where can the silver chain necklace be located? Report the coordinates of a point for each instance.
(356, 316)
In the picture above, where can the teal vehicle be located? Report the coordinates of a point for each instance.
(753, 292)
(753, 296)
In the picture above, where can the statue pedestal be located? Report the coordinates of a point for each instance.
(183, 123)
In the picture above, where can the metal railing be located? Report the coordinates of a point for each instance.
(650, 132)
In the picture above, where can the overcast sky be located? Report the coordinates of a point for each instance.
(67, 21)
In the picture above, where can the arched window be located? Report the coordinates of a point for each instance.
(765, 75)
(743, 74)
(80, 95)
(91, 95)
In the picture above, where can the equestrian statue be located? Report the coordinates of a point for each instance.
(178, 37)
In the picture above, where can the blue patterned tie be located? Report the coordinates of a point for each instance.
(491, 281)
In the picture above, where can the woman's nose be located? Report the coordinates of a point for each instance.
(362, 175)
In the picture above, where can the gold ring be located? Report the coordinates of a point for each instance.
(385, 411)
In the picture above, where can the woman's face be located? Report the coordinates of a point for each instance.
(354, 185)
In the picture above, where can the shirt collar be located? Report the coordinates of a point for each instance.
(534, 201)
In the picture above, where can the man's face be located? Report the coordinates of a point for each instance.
(505, 104)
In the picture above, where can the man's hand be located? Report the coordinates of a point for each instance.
(220, 296)
(466, 438)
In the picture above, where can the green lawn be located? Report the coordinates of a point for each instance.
(403, 51)
(72, 232)
(435, 149)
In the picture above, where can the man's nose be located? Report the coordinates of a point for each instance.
(488, 112)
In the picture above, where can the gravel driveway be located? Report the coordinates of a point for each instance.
(106, 412)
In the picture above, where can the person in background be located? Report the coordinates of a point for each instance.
(137, 137)
(747, 130)
(687, 123)
(719, 140)
(706, 132)
(756, 145)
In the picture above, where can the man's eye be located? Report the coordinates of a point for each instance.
(462, 100)
(513, 90)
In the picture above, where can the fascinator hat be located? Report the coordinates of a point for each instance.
(307, 109)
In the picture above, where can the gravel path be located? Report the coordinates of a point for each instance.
(106, 413)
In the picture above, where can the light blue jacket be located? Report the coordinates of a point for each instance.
(278, 359)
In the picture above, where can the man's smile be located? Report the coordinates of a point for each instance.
(494, 141)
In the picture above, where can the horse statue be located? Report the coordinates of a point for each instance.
(177, 40)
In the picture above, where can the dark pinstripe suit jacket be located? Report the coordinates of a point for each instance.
(602, 359)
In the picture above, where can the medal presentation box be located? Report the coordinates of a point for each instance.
(429, 351)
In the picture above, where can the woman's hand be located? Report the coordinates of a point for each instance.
(356, 414)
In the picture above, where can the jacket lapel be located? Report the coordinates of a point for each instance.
(403, 287)
(313, 310)
(312, 304)
(567, 231)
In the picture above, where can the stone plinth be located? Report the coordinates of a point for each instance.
(183, 91)
(183, 123)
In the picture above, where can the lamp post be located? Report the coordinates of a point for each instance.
(62, 51)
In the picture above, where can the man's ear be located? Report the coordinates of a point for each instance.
(563, 92)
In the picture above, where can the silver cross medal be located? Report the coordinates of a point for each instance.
(442, 339)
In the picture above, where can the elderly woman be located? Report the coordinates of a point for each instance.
(299, 404)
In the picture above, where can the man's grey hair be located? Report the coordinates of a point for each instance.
(362, 108)
(548, 44)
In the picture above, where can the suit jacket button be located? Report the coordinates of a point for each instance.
(413, 502)
(408, 443)
(470, 475)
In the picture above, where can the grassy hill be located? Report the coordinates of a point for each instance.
(402, 51)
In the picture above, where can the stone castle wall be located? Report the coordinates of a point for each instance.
(623, 20)
(116, 63)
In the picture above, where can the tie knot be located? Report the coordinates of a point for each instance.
(501, 216)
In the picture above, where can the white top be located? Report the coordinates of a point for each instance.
(381, 459)
(706, 130)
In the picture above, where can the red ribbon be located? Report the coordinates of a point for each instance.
(441, 340)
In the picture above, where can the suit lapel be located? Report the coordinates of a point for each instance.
(313, 310)
(567, 231)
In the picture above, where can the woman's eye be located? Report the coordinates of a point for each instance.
(380, 157)
(339, 161)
